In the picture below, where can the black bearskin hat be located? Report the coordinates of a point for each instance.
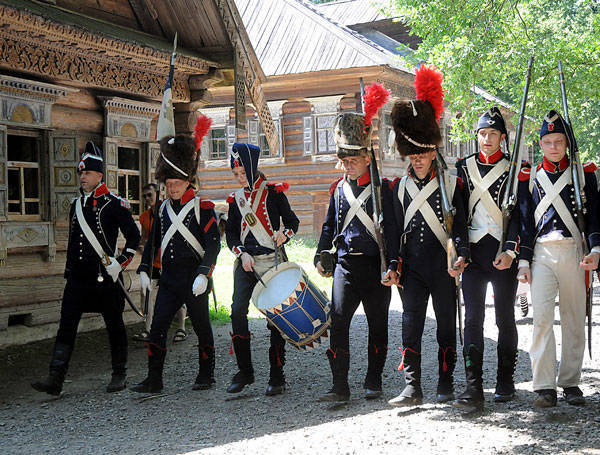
(351, 136)
(415, 122)
(178, 159)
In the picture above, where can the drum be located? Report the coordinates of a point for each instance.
(294, 305)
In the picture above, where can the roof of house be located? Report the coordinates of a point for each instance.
(294, 36)
(352, 12)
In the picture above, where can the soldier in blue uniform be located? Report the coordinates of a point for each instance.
(552, 261)
(357, 278)
(423, 242)
(92, 269)
(485, 176)
(260, 219)
(186, 231)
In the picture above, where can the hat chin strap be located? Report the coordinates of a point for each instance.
(415, 143)
(173, 166)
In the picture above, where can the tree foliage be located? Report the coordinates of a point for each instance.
(487, 43)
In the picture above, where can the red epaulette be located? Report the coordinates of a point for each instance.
(460, 183)
(590, 166)
(279, 187)
(231, 198)
(334, 185)
(206, 204)
(524, 174)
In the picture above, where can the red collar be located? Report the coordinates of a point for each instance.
(364, 179)
(493, 158)
(550, 166)
(256, 185)
(188, 195)
(101, 190)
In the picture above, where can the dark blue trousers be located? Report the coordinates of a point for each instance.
(175, 289)
(89, 296)
(243, 285)
(474, 285)
(357, 279)
(421, 280)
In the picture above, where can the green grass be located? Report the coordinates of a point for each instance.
(301, 249)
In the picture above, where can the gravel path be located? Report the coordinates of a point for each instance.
(86, 420)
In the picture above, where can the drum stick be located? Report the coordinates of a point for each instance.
(258, 277)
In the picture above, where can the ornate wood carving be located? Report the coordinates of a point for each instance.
(32, 43)
(127, 118)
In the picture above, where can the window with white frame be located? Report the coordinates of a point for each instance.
(129, 176)
(325, 144)
(257, 136)
(24, 180)
(218, 143)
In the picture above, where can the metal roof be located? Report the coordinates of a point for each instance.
(293, 36)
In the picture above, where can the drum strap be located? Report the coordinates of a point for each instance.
(356, 208)
(251, 222)
(178, 226)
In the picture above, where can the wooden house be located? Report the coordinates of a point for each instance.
(79, 70)
(313, 57)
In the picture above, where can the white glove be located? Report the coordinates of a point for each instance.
(145, 283)
(200, 285)
(113, 269)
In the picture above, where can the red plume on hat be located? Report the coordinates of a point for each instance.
(376, 95)
(203, 124)
(428, 85)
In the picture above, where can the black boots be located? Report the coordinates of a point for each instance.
(446, 364)
(505, 385)
(372, 384)
(412, 394)
(156, 360)
(119, 369)
(58, 370)
(245, 375)
(206, 368)
(339, 361)
(276, 376)
(472, 398)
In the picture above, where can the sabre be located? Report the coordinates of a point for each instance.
(105, 262)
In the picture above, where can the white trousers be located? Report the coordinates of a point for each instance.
(555, 270)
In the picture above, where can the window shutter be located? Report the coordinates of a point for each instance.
(3, 175)
(205, 147)
(64, 159)
(253, 129)
(279, 127)
(111, 164)
(307, 134)
(231, 137)
(152, 156)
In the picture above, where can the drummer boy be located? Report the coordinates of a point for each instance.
(357, 275)
(260, 219)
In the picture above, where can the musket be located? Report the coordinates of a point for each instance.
(105, 262)
(376, 197)
(448, 213)
(580, 199)
(509, 199)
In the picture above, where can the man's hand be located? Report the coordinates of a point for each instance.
(524, 275)
(200, 285)
(458, 267)
(321, 270)
(391, 278)
(503, 261)
(281, 238)
(145, 283)
(113, 269)
(590, 262)
(247, 262)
